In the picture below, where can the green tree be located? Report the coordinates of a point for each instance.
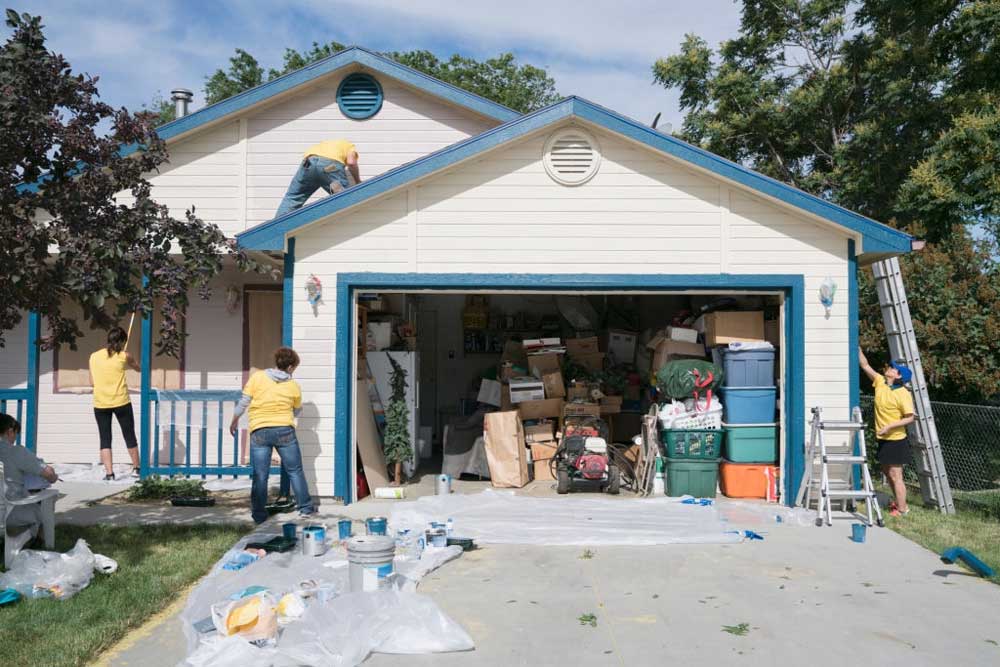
(397, 443)
(162, 109)
(886, 108)
(521, 87)
(65, 236)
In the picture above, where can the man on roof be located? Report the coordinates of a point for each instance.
(331, 165)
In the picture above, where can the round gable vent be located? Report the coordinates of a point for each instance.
(359, 96)
(571, 156)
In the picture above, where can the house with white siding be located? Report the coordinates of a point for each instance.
(458, 196)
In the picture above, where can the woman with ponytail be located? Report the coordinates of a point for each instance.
(107, 374)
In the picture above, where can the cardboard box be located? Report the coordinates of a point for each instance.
(540, 364)
(594, 362)
(682, 334)
(505, 455)
(611, 404)
(549, 408)
(554, 387)
(513, 352)
(489, 392)
(543, 431)
(578, 390)
(724, 327)
(620, 345)
(675, 349)
(541, 455)
(772, 334)
(580, 346)
(526, 389)
(575, 409)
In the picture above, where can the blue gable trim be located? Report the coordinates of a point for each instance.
(793, 286)
(349, 56)
(877, 237)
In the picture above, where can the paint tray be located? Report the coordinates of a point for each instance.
(466, 543)
(186, 501)
(280, 508)
(279, 544)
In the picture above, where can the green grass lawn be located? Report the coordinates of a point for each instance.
(977, 531)
(156, 562)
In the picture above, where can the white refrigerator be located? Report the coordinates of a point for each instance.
(381, 370)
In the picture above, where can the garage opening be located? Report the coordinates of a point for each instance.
(552, 358)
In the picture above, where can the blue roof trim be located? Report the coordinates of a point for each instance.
(349, 56)
(877, 237)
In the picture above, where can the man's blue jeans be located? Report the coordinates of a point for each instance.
(314, 173)
(262, 442)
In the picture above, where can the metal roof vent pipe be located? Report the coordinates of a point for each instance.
(181, 97)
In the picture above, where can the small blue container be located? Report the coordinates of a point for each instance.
(858, 531)
(749, 405)
(344, 529)
(288, 530)
(376, 525)
(748, 368)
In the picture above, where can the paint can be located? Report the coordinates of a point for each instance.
(437, 537)
(314, 540)
(858, 531)
(376, 525)
(288, 530)
(442, 485)
(369, 559)
(344, 529)
(390, 492)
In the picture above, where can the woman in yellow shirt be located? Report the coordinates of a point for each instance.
(893, 413)
(274, 400)
(107, 375)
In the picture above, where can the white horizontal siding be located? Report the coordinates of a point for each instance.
(641, 213)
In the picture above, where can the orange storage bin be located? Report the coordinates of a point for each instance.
(748, 480)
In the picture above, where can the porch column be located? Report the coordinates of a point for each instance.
(31, 411)
(145, 390)
(288, 294)
(853, 335)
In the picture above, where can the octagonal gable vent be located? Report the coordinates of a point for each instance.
(572, 156)
(359, 96)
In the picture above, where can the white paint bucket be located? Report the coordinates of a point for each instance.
(370, 562)
(442, 485)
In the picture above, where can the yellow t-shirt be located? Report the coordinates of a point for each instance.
(272, 403)
(334, 149)
(891, 405)
(108, 373)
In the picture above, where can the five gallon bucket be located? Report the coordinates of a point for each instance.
(370, 558)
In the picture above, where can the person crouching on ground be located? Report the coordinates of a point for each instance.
(19, 465)
(274, 400)
(893, 412)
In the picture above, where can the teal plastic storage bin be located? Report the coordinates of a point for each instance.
(692, 477)
(749, 405)
(756, 443)
(693, 444)
(748, 368)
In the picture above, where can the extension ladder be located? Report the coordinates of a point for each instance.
(934, 485)
(830, 490)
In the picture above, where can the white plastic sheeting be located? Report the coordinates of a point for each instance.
(501, 517)
(338, 628)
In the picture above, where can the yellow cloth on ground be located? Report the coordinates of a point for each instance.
(108, 373)
(272, 403)
(891, 405)
(333, 149)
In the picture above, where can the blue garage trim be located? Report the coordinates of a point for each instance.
(854, 372)
(349, 283)
(354, 55)
(288, 295)
(876, 236)
(31, 410)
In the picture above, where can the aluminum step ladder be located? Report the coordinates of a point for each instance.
(934, 485)
(827, 490)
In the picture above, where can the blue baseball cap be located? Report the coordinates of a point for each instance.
(905, 374)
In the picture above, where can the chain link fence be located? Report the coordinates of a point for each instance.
(970, 444)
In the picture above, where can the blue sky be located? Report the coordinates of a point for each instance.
(601, 51)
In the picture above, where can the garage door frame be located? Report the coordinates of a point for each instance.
(792, 285)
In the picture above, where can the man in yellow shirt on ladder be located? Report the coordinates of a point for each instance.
(331, 165)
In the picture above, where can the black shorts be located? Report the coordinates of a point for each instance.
(894, 452)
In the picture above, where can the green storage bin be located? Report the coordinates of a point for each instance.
(692, 477)
(692, 444)
(756, 443)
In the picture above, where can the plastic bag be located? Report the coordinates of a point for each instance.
(677, 378)
(41, 574)
(253, 618)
